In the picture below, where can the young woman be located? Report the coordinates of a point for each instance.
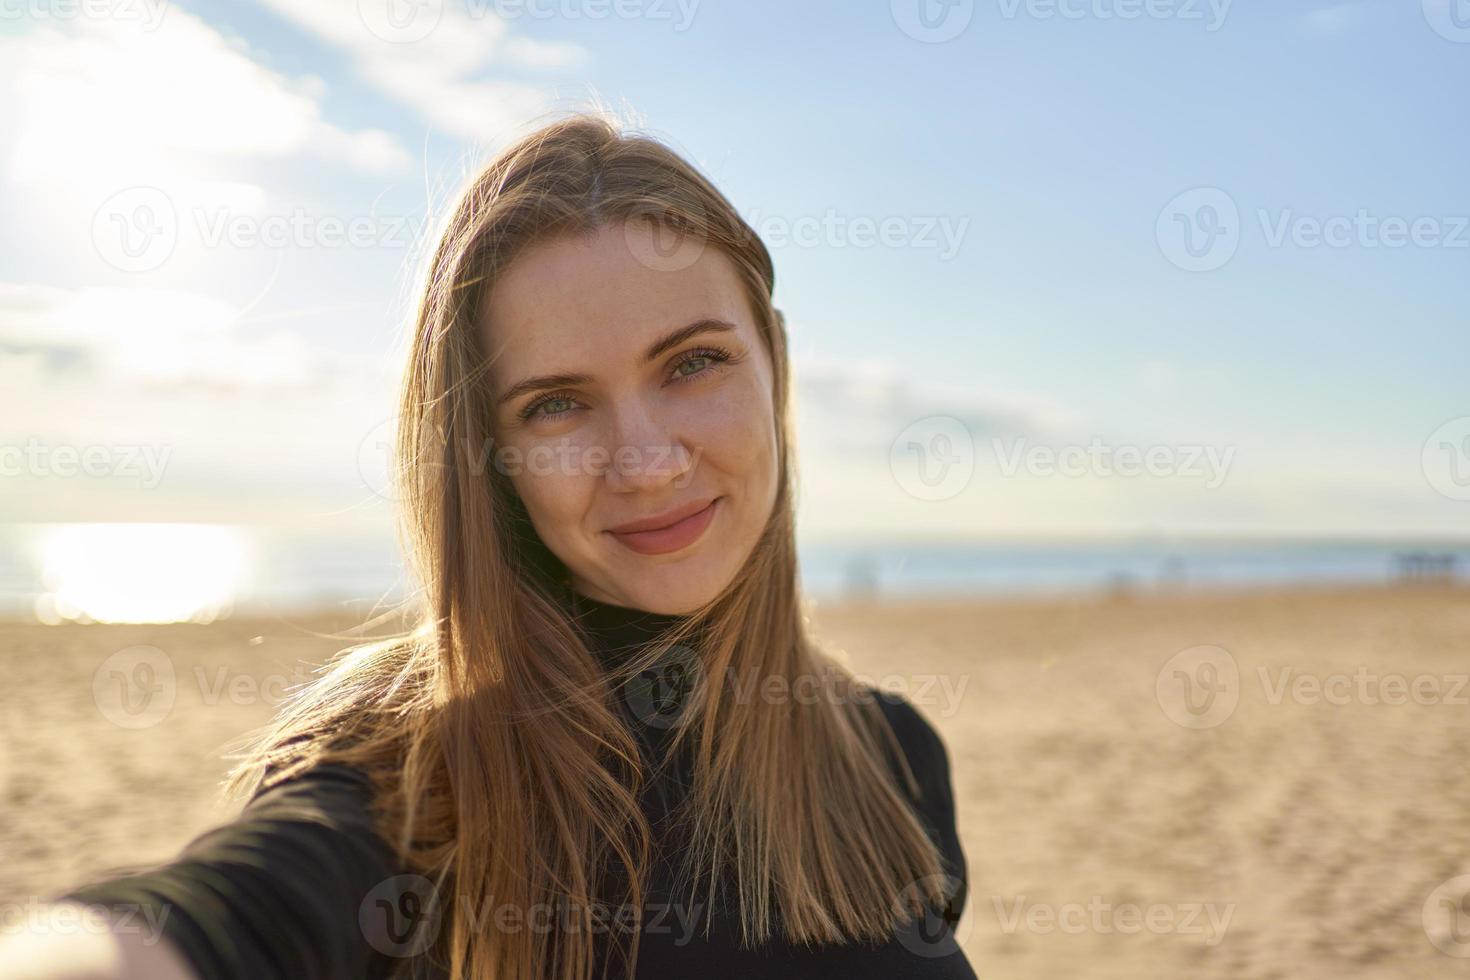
(610, 748)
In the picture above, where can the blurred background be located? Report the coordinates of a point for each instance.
(1130, 341)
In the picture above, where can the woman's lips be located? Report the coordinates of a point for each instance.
(672, 538)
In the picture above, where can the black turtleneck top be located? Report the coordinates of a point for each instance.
(301, 886)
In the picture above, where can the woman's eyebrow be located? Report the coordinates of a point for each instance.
(670, 340)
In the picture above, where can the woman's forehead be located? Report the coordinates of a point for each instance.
(593, 295)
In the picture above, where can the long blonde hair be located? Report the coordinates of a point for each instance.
(500, 766)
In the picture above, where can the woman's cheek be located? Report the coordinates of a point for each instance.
(740, 430)
(549, 481)
(553, 457)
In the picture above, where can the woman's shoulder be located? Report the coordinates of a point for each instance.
(928, 760)
(922, 744)
(330, 797)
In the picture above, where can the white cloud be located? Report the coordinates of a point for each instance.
(441, 74)
(469, 109)
(858, 408)
(544, 55)
(1159, 376)
(1339, 17)
(146, 337)
(97, 95)
(254, 424)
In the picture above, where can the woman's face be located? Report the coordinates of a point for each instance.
(632, 395)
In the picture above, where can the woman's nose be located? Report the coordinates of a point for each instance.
(645, 451)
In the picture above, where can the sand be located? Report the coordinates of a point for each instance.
(1116, 824)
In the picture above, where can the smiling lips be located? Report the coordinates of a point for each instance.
(681, 528)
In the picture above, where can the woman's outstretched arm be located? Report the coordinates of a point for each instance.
(289, 888)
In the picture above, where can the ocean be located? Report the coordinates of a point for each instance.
(167, 572)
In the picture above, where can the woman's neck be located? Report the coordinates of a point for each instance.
(616, 631)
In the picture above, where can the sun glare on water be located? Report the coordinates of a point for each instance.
(140, 573)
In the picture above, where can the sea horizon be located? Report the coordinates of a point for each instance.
(200, 572)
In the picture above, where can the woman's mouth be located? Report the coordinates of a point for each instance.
(676, 536)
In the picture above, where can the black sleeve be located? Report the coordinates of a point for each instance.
(929, 759)
(278, 892)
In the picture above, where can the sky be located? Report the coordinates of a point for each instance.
(1050, 267)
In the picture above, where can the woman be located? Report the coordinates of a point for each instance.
(611, 744)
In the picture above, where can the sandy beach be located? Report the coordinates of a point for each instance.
(1249, 784)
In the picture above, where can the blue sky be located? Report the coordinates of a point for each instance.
(1036, 288)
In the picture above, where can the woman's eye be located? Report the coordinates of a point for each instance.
(704, 360)
(534, 410)
(696, 361)
(696, 364)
